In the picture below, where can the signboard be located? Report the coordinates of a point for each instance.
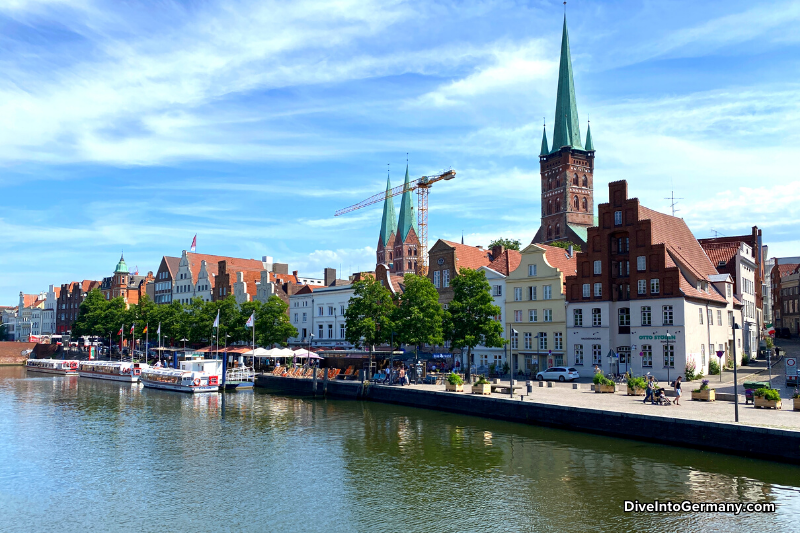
(791, 371)
(657, 337)
(720, 353)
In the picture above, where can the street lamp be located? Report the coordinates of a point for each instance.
(184, 345)
(670, 358)
(308, 355)
(734, 327)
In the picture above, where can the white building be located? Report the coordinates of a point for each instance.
(29, 315)
(49, 311)
(320, 312)
(484, 356)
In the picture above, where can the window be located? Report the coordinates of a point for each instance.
(542, 340)
(497, 290)
(321, 332)
(669, 355)
(304, 317)
(578, 353)
(624, 316)
(341, 331)
(642, 286)
(330, 310)
(647, 355)
(436, 277)
(647, 316)
(532, 293)
(597, 355)
(641, 263)
(295, 318)
(667, 312)
(531, 270)
(517, 294)
(622, 245)
(514, 340)
(654, 288)
(701, 316)
(598, 290)
(548, 292)
(548, 315)
(617, 218)
(558, 340)
(703, 353)
(320, 311)
(730, 319)
(517, 316)
(728, 289)
(341, 310)
(330, 331)
(577, 318)
(624, 269)
(719, 317)
(596, 316)
(528, 341)
(598, 267)
(585, 203)
(586, 290)
(446, 278)
(532, 316)
(710, 317)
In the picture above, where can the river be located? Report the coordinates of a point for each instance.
(86, 455)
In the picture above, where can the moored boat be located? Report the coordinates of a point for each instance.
(193, 376)
(53, 366)
(111, 370)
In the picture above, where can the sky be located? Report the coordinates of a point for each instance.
(133, 126)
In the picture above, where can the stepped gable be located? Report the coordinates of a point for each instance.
(212, 264)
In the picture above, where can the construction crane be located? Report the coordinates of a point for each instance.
(422, 186)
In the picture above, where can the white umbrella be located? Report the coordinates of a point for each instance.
(259, 352)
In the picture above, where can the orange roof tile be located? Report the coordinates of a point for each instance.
(469, 256)
(557, 257)
(789, 268)
(681, 246)
(507, 263)
(212, 264)
(28, 299)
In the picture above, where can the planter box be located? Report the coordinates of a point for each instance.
(635, 392)
(707, 395)
(453, 388)
(485, 388)
(604, 388)
(769, 404)
(796, 402)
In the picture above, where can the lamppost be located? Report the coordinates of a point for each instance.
(734, 327)
(308, 355)
(670, 358)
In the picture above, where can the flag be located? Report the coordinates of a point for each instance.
(136, 273)
(144, 330)
(159, 329)
(120, 330)
(132, 326)
(252, 320)
(216, 320)
(194, 243)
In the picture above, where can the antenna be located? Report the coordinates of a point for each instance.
(673, 201)
(717, 233)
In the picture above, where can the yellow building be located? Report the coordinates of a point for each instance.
(535, 307)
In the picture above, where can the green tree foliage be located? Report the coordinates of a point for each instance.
(469, 319)
(368, 315)
(92, 316)
(510, 244)
(418, 316)
(3, 332)
(272, 322)
(565, 245)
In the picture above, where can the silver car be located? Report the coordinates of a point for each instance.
(560, 373)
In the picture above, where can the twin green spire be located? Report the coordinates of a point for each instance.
(408, 219)
(389, 221)
(566, 130)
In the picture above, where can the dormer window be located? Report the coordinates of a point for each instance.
(721, 264)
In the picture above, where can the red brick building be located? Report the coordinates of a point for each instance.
(69, 301)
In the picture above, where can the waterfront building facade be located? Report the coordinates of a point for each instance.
(318, 314)
(9, 320)
(535, 305)
(166, 273)
(68, 304)
(646, 298)
(49, 312)
(785, 297)
(130, 287)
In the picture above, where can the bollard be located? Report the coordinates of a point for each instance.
(529, 386)
(576, 385)
(541, 383)
(549, 384)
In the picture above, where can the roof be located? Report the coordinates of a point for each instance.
(507, 262)
(251, 277)
(122, 268)
(28, 299)
(212, 264)
(407, 219)
(88, 284)
(566, 130)
(557, 257)
(389, 220)
(173, 263)
(690, 291)
(589, 146)
(785, 270)
(544, 150)
(57, 291)
(469, 256)
(283, 278)
(581, 231)
(717, 278)
(720, 252)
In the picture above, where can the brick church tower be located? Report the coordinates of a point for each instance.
(567, 170)
(406, 242)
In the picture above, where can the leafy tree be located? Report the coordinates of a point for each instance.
(92, 316)
(3, 332)
(368, 315)
(566, 244)
(272, 322)
(469, 319)
(418, 317)
(510, 244)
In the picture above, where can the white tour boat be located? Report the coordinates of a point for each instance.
(53, 366)
(201, 375)
(112, 370)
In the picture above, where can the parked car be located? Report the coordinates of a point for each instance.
(784, 333)
(558, 372)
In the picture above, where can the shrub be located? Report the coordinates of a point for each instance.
(703, 386)
(482, 381)
(770, 344)
(600, 379)
(768, 394)
(506, 368)
(637, 383)
(796, 394)
(689, 370)
(454, 379)
(713, 368)
(746, 360)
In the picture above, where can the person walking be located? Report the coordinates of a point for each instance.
(402, 375)
(648, 393)
(677, 386)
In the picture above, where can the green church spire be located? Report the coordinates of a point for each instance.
(544, 150)
(408, 219)
(389, 220)
(589, 146)
(566, 131)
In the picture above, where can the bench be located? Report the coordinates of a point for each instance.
(505, 388)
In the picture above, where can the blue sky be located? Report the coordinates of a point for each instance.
(135, 125)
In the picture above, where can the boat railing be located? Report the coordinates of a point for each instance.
(241, 373)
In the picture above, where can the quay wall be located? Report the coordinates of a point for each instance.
(746, 441)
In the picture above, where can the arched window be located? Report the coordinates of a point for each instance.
(549, 207)
(549, 185)
(549, 232)
(575, 203)
(558, 230)
(409, 265)
(585, 181)
(585, 204)
(575, 179)
(558, 205)
(558, 182)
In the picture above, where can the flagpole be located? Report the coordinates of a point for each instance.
(121, 341)
(146, 341)
(254, 342)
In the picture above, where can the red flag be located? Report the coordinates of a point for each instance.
(120, 331)
(132, 326)
(194, 243)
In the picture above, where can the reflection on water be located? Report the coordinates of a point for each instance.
(89, 455)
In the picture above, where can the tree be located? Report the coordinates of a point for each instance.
(566, 244)
(92, 316)
(470, 317)
(3, 332)
(368, 315)
(509, 244)
(272, 322)
(418, 315)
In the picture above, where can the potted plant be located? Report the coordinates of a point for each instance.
(769, 398)
(454, 383)
(482, 386)
(636, 386)
(796, 400)
(689, 370)
(602, 383)
(704, 393)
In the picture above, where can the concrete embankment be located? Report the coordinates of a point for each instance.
(742, 440)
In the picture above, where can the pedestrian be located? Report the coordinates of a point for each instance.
(677, 386)
(648, 393)
(402, 375)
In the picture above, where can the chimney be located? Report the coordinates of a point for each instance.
(330, 276)
(294, 273)
(497, 250)
(569, 251)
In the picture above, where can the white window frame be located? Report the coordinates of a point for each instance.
(655, 286)
(577, 351)
(577, 318)
(587, 290)
(518, 315)
(446, 277)
(667, 319)
(642, 286)
(597, 354)
(547, 315)
(517, 294)
(436, 277)
(598, 290)
(547, 292)
(533, 315)
(558, 340)
(598, 267)
(531, 271)
(597, 318)
(641, 263)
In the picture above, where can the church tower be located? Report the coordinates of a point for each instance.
(385, 250)
(567, 167)
(406, 243)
